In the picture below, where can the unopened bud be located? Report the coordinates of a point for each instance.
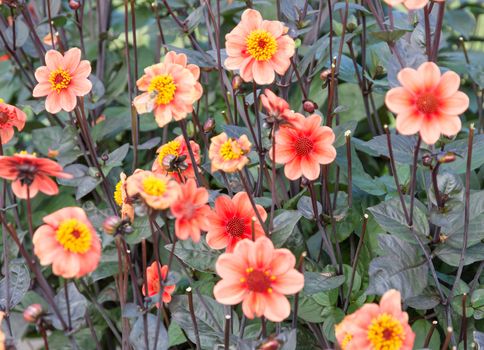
(237, 82)
(209, 125)
(104, 157)
(32, 313)
(309, 106)
(74, 5)
(351, 26)
(448, 157)
(111, 224)
(325, 74)
(271, 344)
(427, 160)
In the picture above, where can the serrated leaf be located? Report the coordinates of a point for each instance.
(284, 224)
(198, 256)
(19, 284)
(77, 307)
(317, 282)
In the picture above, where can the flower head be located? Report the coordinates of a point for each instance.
(170, 89)
(31, 174)
(304, 146)
(191, 211)
(62, 79)
(157, 190)
(277, 108)
(378, 327)
(259, 276)
(174, 159)
(410, 4)
(10, 116)
(228, 154)
(122, 199)
(68, 242)
(427, 102)
(233, 220)
(258, 48)
(153, 276)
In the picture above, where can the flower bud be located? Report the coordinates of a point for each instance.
(309, 106)
(325, 74)
(209, 125)
(111, 224)
(74, 5)
(271, 344)
(351, 26)
(447, 157)
(32, 313)
(427, 160)
(237, 82)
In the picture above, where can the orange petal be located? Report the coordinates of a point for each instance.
(310, 168)
(53, 59)
(293, 170)
(263, 72)
(228, 292)
(277, 307)
(409, 124)
(282, 261)
(409, 79)
(450, 125)
(71, 60)
(399, 100)
(251, 20)
(52, 103)
(455, 104)
(448, 85)
(430, 132)
(230, 267)
(429, 74)
(261, 256)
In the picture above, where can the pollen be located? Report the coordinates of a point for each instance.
(230, 150)
(427, 103)
(261, 45)
(346, 341)
(59, 79)
(118, 196)
(386, 333)
(74, 236)
(163, 87)
(154, 186)
(169, 148)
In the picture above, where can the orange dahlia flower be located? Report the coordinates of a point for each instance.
(304, 147)
(373, 326)
(259, 276)
(122, 199)
(10, 116)
(62, 79)
(410, 4)
(68, 242)
(171, 88)
(158, 191)
(277, 108)
(258, 48)
(153, 278)
(28, 171)
(191, 211)
(232, 220)
(174, 159)
(228, 154)
(427, 102)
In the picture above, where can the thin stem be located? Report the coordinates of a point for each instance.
(300, 268)
(438, 31)
(413, 181)
(68, 305)
(193, 317)
(251, 199)
(227, 332)
(429, 334)
(348, 157)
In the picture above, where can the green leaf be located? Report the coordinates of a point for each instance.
(137, 335)
(284, 225)
(449, 185)
(19, 284)
(451, 255)
(460, 147)
(198, 256)
(77, 307)
(403, 147)
(390, 35)
(175, 335)
(390, 216)
(210, 334)
(477, 299)
(401, 267)
(317, 282)
(421, 329)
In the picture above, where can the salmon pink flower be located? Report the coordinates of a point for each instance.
(68, 242)
(304, 146)
(31, 174)
(410, 4)
(170, 89)
(259, 48)
(174, 159)
(62, 80)
(277, 108)
(191, 211)
(2, 335)
(373, 326)
(228, 154)
(158, 191)
(153, 276)
(232, 220)
(122, 200)
(427, 102)
(259, 276)
(10, 116)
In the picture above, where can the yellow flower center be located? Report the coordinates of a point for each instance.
(170, 148)
(231, 150)
(154, 186)
(258, 281)
(59, 79)
(261, 45)
(74, 236)
(386, 333)
(25, 153)
(346, 341)
(118, 195)
(164, 88)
